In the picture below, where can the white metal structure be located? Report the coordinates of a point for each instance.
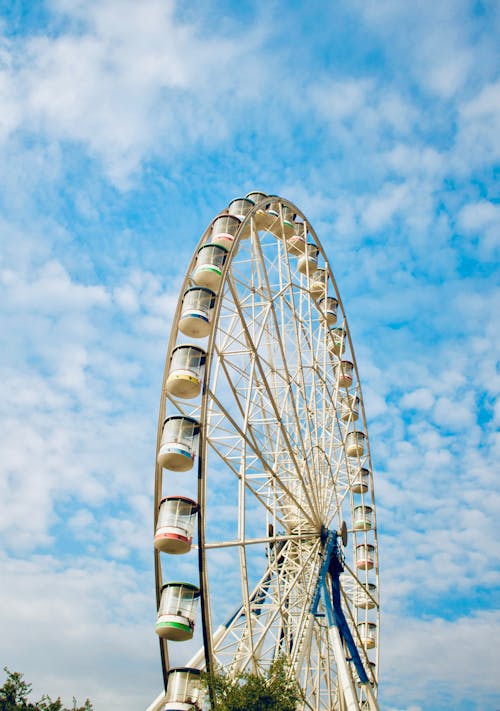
(276, 473)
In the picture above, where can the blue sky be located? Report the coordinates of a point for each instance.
(124, 128)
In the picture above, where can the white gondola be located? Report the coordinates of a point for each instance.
(308, 262)
(179, 443)
(360, 481)
(365, 595)
(355, 443)
(343, 373)
(177, 611)
(296, 243)
(328, 309)
(288, 221)
(362, 518)
(370, 669)
(175, 525)
(365, 556)
(368, 634)
(349, 408)
(196, 313)
(269, 215)
(276, 212)
(318, 283)
(210, 262)
(185, 374)
(336, 341)
(224, 229)
(260, 214)
(240, 207)
(183, 690)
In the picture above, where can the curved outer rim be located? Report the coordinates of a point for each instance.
(201, 458)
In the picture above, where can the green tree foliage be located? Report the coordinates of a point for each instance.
(14, 696)
(277, 691)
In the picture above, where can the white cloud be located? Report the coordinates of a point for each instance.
(127, 80)
(420, 399)
(478, 135)
(71, 429)
(422, 161)
(10, 115)
(434, 44)
(50, 290)
(481, 220)
(83, 525)
(484, 104)
(449, 76)
(477, 215)
(361, 115)
(92, 619)
(432, 659)
(126, 298)
(379, 211)
(455, 414)
(341, 100)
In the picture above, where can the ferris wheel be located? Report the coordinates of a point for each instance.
(265, 523)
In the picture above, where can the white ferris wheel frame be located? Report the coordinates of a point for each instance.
(237, 385)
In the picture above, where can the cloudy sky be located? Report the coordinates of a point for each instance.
(124, 127)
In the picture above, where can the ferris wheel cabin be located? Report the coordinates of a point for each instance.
(336, 342)
(183, 690)
(197, 311)
(260, 217)
(360, 481)
(343, 373)
(224, 229)
(240, 207)
(368, 634)
(179, 443)
(318, 283)
(273, 220)
(175, 525)
(349, 408)
(177, 611)
(355, 443)
(185, 374)
(210, 262)
(328, 308)
(308, 262)
(363, 517)
(365, 556)
(364, 596)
